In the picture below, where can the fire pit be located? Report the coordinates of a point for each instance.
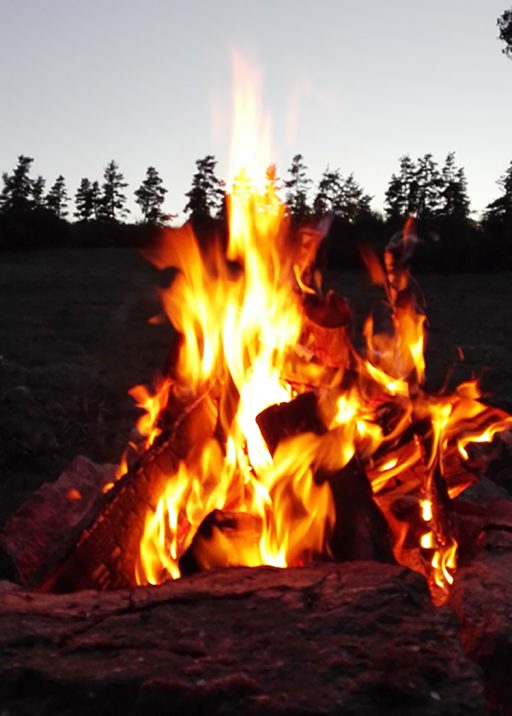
(274, 440)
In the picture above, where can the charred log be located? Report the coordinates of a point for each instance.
(49, 523)
(285, 420)
(326, 329)
(105, 555)
(361, 531)
(106, 552)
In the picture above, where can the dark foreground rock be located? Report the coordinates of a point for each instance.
(482, 599)
(355, 638)
(47, 525)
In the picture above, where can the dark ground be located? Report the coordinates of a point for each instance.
(74, 338)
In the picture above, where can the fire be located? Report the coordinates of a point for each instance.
(152, 406)
(245, 345)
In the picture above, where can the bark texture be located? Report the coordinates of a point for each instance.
(357, 638)
(482, 599)
(51, 520)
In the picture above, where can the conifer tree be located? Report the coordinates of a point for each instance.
(352, 202)
(416, 190)
(328, 190)
(454, 197)
(17, 190)
(505, 28)
(500, 210)
(205, 198)
(150, 196)
(340, 196)
(401, 198)
(96, 199)
(37, 192)
(87, 200)
(112, 205)
(57, 198)
(429, 187)
(297, 186)
(408, 172)
(395, 201)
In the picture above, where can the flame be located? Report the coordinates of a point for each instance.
(250, 146)
(239, 313)
(152, 405)
(238, 306)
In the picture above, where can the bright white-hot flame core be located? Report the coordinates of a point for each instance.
(250, 147)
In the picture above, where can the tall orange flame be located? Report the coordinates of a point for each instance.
(239, 311)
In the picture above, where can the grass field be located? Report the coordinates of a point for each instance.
(74, 338)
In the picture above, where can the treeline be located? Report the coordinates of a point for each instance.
(32, 216)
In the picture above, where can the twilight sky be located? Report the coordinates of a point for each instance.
(350, 83)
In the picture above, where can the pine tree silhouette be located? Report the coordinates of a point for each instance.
(57, 198)
(297, 186)
(206, 195)
(87, 200)
(17, 190)
(150, 196)
(112, 205)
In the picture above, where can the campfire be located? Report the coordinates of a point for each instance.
(276, 436)
(296, 437)
(279, 436)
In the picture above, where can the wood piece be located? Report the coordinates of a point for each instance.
(435, 489)
(469, 522)
(106, 553)
(361, 531)
(52, 519)
(326, 329)
(326, 639)
(285, 420)
(480, 526)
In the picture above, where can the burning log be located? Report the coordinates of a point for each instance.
(106, 553)
(361, 531)
(51, 520)
(327, 328)
(284, 420)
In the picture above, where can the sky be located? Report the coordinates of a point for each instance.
(352, 84)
